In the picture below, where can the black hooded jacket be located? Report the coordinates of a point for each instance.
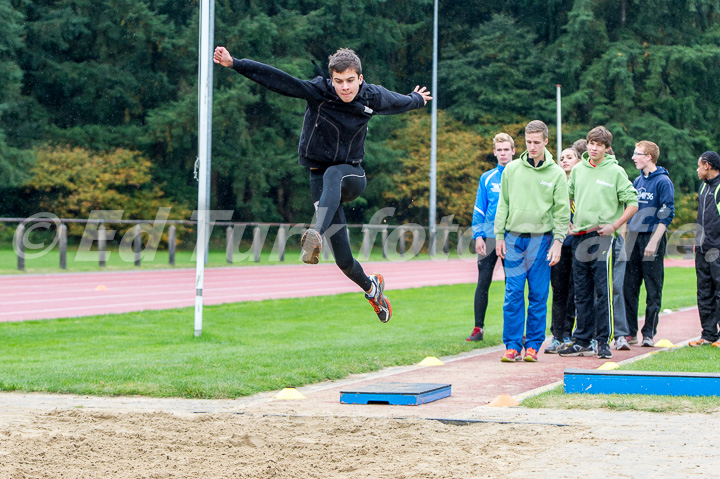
(333, 131)
(708, 216)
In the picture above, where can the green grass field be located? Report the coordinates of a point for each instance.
(245, 348)
(250, 347)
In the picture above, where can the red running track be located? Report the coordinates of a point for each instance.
(26, 297)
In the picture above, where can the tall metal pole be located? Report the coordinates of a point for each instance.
(433, 136)
(559, 122)
(204, 134)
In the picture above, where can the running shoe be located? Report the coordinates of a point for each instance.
(530, 355)
(631, 339)
(379, 301)
(621, 344)
(604, 351)
(648, 342)
(311, 243)
(700, 342)
(577, 350)
(477, 335)
(553, 347)
(511, 356)
(594, 345)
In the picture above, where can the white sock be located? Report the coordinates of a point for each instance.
(372, 291)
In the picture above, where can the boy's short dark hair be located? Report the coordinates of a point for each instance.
(601, 135)
(537, 126)
(650, 148)
(343, 59)
(712, 159)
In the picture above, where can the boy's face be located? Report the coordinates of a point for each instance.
(535, 144)
(641, 159)
(596, 150)
(703, 169)
(347, 84)
(504, 152)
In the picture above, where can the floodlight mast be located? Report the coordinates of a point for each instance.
(207, 14)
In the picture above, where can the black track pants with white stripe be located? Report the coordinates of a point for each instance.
(592, 274)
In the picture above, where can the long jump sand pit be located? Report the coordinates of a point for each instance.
(79, 444)
(108, 443)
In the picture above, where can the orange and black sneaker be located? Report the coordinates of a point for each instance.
(379, 301)
(700, 342)
(511, 356)
(311, 243)
(530, 355)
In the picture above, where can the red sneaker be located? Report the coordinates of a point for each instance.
(477, 335)
(530, 355)
(511, 356)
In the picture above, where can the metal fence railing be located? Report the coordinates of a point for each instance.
(400, 239)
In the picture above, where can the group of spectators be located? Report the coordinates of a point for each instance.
(583, 227)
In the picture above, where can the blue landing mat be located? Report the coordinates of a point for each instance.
(402, 394)
(592, 381)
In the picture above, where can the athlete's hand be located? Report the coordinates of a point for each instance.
(651, 248)
(424, 93)
(223, 57)
(554, 253)
(480, 247)
(606, 230)
(500, 248)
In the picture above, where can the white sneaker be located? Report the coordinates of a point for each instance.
(621, 344)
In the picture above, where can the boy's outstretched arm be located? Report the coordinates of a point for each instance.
(266, 75)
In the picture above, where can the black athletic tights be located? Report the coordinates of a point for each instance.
(329, 189)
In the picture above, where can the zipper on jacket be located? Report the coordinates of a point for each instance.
(315, 125)
(337, 143)
(702, 226)
(364, 127)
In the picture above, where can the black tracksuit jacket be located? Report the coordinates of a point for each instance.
(333, 131)
(708, 217)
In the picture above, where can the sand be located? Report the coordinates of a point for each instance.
(496, 443)
(91, 444)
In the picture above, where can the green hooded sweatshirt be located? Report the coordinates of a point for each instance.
(533, 200)
(600, 193)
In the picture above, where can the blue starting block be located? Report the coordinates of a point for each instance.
(592, 381)
(401, 394)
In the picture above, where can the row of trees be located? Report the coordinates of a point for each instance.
(93, 83)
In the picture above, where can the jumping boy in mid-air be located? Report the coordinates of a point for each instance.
(332, 146)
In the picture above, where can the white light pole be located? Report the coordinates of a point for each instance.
(207, 13)
(559, 122)
(433, 136)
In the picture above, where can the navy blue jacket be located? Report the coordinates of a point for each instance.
(656, 201)
(708, 216)
(333, 131)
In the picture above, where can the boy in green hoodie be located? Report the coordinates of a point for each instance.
(530, 224)
(604, 200)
